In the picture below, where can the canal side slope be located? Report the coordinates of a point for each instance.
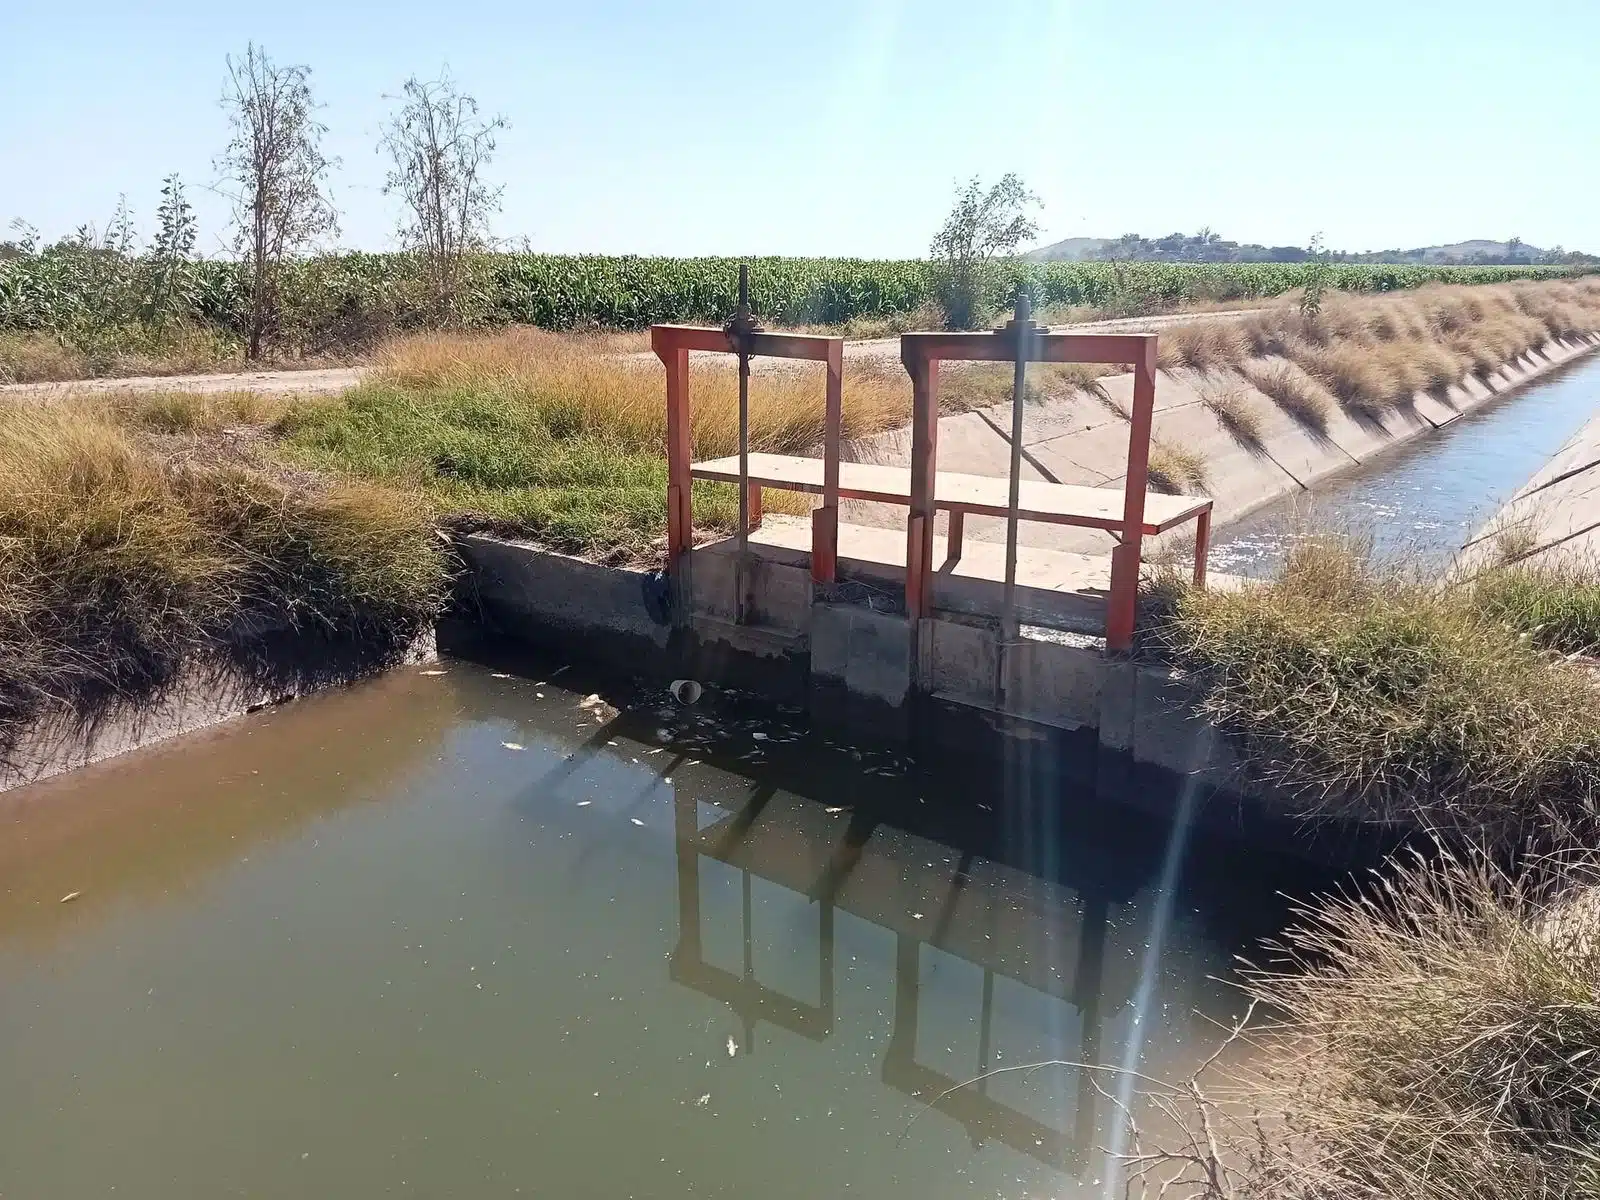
(1083, 438)
(1554, 517)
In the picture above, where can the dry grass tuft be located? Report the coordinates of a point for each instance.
(191, 412)
(1176, 470)
(1437, 1038)
(1365, 696)
(1232, 408)
(1204, 346)
(119, 569)
(1286, 384)
(177, 350)
(1372, 353)
(38, 358)
(588, 385)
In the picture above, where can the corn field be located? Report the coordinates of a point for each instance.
(350, 300)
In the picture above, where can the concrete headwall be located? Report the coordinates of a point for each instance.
(855, 667)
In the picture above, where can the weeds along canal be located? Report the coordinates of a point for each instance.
(1421, 502)
(458, 932)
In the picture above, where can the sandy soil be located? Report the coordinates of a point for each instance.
(323, 379)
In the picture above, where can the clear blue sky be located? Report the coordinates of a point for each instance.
(838, 126)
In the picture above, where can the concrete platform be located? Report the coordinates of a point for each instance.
(1054, 588)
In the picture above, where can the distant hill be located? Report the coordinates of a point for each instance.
(1207, 246)
(1070, 250)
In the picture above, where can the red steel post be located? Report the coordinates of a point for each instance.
(952, 538)
(1127, 557)
(680, 488)
(825, 520)
(924, 451)
(1202, 546)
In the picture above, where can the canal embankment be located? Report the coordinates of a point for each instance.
(508, 876)
(1246, 430)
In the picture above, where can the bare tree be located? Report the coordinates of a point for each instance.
(440, 144)
(983, 225)
(276, 167)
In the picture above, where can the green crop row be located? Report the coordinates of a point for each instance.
(343, 300)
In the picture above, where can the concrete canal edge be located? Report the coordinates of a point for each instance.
(62, 741)
(855, 669)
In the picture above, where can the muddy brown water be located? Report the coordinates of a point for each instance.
(457, 935)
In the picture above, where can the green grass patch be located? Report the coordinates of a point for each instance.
(1556, 606)
(513, 459)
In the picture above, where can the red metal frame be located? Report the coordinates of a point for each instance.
(922, 352)
(672, 344)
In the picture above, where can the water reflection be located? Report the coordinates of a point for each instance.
(679, 952)
(1046, 944)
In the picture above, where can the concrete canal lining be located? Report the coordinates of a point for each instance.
(851, 662)
(1081, 439)
(1553, 518)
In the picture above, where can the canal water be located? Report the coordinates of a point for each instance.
(1421, 502)
(457, 933)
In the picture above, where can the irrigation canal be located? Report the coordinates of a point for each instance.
(457, 932)
(1421, 502)
(454, 932)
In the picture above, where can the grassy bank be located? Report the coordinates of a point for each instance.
(1372, 354)
(1368, 696)
(1431, 1035)
(1434, 1031)
(561, 438)
(125, 562)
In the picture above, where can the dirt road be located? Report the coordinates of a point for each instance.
(321, 380)
(337, 379)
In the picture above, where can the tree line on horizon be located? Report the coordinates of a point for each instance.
(275, 175)
(1207, 246)
(100, 289)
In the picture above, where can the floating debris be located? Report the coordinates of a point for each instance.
(703, 1100)
(602, 711)
(585, 803)
(430, 672)
(733, 1046)
(70, 896)
(686, 691)
(512, 745)
(499, 675)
